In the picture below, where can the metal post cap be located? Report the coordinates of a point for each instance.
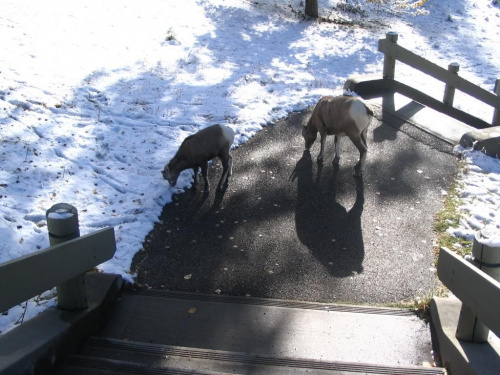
(62, 220)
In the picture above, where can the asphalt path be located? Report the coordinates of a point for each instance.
(288, 228)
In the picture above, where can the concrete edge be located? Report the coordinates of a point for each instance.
(352, 81)
(484, 140)
(460, 357)
(40, 345)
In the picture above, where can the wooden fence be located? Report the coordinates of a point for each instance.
(388, 85)
(479, 293)
(62, 265)
(462, 326)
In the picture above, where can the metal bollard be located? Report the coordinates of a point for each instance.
(62, 224)
(487, 259)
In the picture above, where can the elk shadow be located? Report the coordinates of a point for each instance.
(332, 234)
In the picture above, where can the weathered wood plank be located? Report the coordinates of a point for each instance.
(477, 290)
(407, 57)
(375, 88)
(32, 274)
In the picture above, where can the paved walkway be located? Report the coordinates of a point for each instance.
(289, 229)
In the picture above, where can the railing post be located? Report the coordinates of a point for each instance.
(487, 259)
(449, 91)
(62, 224)
(390, 62)
(496, 114)
(388, 100)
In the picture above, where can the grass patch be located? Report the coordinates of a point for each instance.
(422, 304)
(449, 217)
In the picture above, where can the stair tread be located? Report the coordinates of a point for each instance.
(275, 328)
(195, 359)
(86, 365)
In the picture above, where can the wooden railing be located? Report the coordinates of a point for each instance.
(462, 324)
(479, 293)
(62, 265)
(388, 85)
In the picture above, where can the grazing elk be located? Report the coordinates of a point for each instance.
(340, 116)
(197, 150)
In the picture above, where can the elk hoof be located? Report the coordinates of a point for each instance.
(222, 187)
(358, 172)
(358, 169)
(336, 161)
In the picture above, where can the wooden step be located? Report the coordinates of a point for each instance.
(275, 328)
(112, 356)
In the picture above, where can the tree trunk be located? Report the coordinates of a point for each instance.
(312, 8)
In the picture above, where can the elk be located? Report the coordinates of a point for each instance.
(197, 150)
(339, 116)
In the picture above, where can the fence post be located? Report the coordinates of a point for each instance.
(388, 100)
(62, 224)
(487, 259)
(449, 91)
(496, 114)
(390, 62)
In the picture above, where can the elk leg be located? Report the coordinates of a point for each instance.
(361, 145)
(227, 165)
(336, 159)
(204, 173)
(195, 170)
(322, 149)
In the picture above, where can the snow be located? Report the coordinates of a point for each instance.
(60, 214)
(480, 194)
(96, 97)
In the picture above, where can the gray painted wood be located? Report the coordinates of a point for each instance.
(496, 114)
(64, 226)
(384, 87)
(30, 275)
(62, 229)
(449, 91)
(477, 290)
(407, 57)
(390, 61)
(470, 328)
(487, 259)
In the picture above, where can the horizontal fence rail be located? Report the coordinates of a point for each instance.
(375, 88)
(477, 290)
(395, 51)
(387, 86)
(30, 275)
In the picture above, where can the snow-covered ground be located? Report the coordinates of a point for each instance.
(95, 98)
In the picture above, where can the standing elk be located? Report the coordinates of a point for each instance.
(197, 150)
(340, 116)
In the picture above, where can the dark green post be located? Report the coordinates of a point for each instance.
(62, 224)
